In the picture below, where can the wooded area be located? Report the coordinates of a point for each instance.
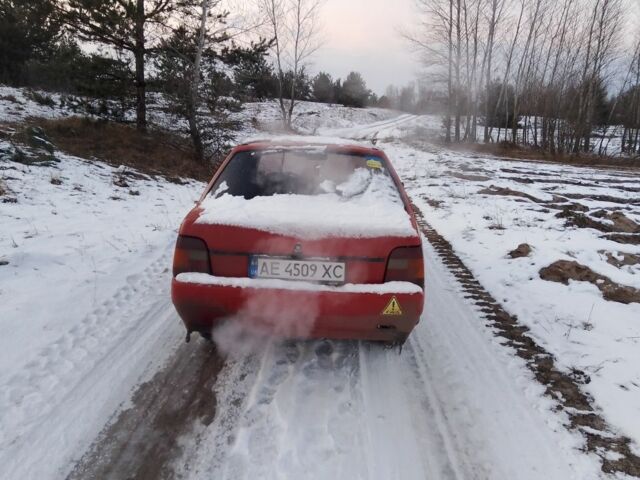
(202, 58)
(556, 74)
(562, 76)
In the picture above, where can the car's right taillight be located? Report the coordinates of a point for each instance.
(406, 264)
(191, 255)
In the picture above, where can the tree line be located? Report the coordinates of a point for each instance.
(560, 75)
(115, 52)
(203, 58)
(556, 74)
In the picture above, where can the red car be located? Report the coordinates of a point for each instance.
(302, 240)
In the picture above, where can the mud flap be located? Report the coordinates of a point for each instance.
(395, 345)
(398, 342)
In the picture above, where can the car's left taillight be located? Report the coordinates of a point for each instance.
(191, 255)
(406, 264)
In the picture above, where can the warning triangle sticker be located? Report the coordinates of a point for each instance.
(392, 308)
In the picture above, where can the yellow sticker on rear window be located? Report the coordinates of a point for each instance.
(392, 308)
(374, 164)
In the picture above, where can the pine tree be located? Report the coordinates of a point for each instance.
(299, 83)
(122, 25)
(354, 91)
(323, 88)
(253, 75)
(28, 31)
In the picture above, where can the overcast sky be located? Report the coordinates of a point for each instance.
(362, 35)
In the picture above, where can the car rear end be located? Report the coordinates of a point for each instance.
(305, 271)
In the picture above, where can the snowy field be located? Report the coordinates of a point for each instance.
(584, 331)
(87, 322)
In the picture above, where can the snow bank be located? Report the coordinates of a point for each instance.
(276, 284)
(85, 308)
(377, 212)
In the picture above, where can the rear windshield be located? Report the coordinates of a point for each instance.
(299, 171)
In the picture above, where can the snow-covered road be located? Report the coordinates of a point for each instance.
(454, 405)
(114, 392)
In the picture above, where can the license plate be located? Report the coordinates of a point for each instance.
(288, 269)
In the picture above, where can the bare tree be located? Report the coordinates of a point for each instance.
(539, 70)
(609, 16)
(294, 28)
(496, 8)
(433, 39)
(629, 101)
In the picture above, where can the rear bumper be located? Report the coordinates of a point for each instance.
(299, 309)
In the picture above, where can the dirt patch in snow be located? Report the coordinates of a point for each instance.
(6, 194)
(580, 220)
(614, 222)
(622, 259)
(507, 192)
(623, 238)
(603, 198)
(155, 152)
(619, 221)
(564, 387)
(523, 250)
(142, 442)
(469, 176)
(563, 271)
(432, 202)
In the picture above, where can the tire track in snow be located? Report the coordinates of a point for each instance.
(485, 400)
(292, 420)
(563, 393)
(54, 392)
(178, 401)
(363, 132)
(406, 439)
(322, 409)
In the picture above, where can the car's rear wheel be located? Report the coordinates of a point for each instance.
(206, 336)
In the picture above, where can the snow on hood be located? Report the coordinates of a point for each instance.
(366, 206)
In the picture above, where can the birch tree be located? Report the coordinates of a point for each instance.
(194, 66)
(294, 28)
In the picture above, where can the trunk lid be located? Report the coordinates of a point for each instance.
(231, 249)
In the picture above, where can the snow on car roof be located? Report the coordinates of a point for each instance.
(306, 140)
